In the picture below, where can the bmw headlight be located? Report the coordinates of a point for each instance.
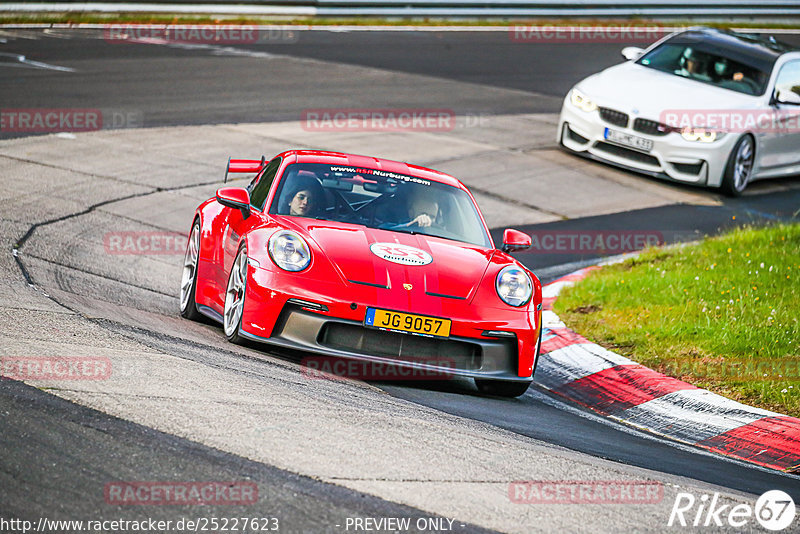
(581, 101)
(514, 286)
(701, 134)
(289, 251)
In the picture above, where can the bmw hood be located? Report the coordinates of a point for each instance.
(648, 93)
(380, 258)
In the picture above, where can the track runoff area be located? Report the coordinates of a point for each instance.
(158, 349)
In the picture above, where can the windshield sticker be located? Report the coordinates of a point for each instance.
(402, 254)
(384, 174)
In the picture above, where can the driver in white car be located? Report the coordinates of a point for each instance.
(693, 65)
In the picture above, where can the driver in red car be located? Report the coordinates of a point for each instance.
(423, 209)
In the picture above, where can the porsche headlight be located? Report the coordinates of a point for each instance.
(514, 286)
(701, 134)
(581, 101)
(289, 251)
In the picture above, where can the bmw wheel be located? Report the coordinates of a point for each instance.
(189, 277)
(234, 298)
(739, 169)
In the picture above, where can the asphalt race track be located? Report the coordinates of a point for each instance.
(184, 405)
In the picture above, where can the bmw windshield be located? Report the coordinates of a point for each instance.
(728, 61)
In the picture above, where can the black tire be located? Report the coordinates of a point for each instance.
(538, 347)
(501, 388)
(504, 388)
(188, 307)
(232, 328)
(739, 169)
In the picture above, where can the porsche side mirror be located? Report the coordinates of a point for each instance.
(632, 52)
(785, 96)
(235, 197)
(514, 240)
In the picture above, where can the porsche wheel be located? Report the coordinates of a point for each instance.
(739, 169)
(234, 298)
(501, 388)
(189, 277)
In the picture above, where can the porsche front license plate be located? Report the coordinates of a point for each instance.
(633, 141)
(406, 322)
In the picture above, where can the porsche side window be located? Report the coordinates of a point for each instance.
(789, 78)
(259, 192)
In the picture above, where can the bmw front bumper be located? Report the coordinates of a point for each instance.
(671, 156)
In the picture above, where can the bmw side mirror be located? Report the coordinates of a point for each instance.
(785, 96)
(514, 240)
(632, 52)
(235, 197)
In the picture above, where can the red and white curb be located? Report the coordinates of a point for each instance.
(619, 388)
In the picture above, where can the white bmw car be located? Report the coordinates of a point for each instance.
(701, 106)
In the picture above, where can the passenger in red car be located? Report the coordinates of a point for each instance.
(302, 203)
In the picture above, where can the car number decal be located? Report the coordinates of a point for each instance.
(402, 254)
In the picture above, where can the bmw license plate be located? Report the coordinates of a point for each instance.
(633, 141)
(407, 322)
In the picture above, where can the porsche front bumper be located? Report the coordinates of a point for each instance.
(502, 347)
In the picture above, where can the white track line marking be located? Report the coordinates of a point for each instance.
(24, 62)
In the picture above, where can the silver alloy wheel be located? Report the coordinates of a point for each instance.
(190, 266)
(743, 164)
(234, 296)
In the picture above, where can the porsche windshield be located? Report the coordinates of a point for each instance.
(726, 62)
(379, 199)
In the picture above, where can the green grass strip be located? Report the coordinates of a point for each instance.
(721, 314)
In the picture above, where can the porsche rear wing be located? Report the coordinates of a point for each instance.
(244, 165)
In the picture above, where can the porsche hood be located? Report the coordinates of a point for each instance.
(381, 258)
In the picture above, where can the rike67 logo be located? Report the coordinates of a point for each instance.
(774, 510)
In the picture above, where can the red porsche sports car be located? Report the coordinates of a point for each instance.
(359, 257)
